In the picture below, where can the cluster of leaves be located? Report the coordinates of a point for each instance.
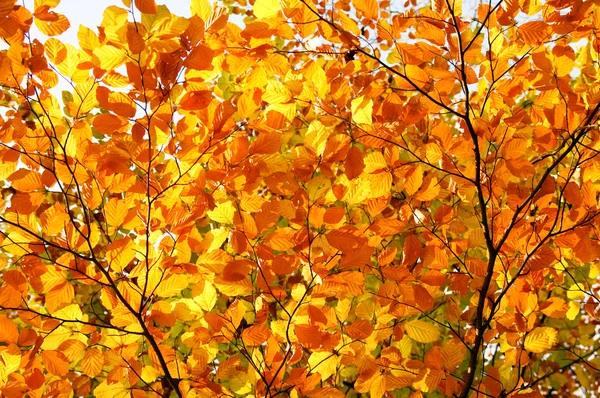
(327, 199)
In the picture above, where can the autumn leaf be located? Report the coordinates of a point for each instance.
(421, 331)
(270, 197)
(540, 339)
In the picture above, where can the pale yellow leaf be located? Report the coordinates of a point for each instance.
(362, 110)
(264, 9)
(202, 8)
(223, 213)
(113, 390)
(422, 331)
(323, 362)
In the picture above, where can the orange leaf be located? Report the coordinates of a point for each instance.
(56, 362)
(267, 142)
(369, 8)
(360, 329)
(196, 100)
(534, 32)
(256, 335)
(146, 6)
(92, 362)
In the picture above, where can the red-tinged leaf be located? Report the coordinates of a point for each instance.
(411, 250)
(6, 7)
(357, 258)
(116, 102)
(10, 333)
(423, 298)
(265, 143)
(108, 124)
(56, 363)
(542, 258)
(146, 6)
(26, 180)
(237, 270)
(534, 32)
(35, 379)
(316, 315)
(196, 100)
(284, 264)
(354, 164)
(308, 335)
(554, 307)
(360, 329)
(200, 58)
(387, 256)
(346, 239)
(256, 335)
(327, 392)
(334, 215)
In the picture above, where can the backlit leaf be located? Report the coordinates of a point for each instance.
(421, 331)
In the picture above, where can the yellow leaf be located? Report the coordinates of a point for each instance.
(149, 374)
(422, 331)
(88, 40)
(264, 9)
(10, 359)
(276, 93)
(113, 390)
(323, 362)
(576, 292)
(413, 180)
(201, 8)
(71, 312)
(173, 285)
(381, 184)
(374, 161)
(541, 339)
(223, 213)
(316, 137)
(208, 298)
(110, 57)
(54, 219)
(115, 211)
(362, 110)
(573, 310)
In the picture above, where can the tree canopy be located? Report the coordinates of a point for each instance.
(301, 198)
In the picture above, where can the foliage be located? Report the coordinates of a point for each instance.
(301, 198)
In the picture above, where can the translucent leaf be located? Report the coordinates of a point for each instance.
(422, 331)
(223, 213)
(369, 8)
(541, 339)
(266, 8)
(113, 390)
(92, 362)
(362, 110)
(323, 362)
(202, 8)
